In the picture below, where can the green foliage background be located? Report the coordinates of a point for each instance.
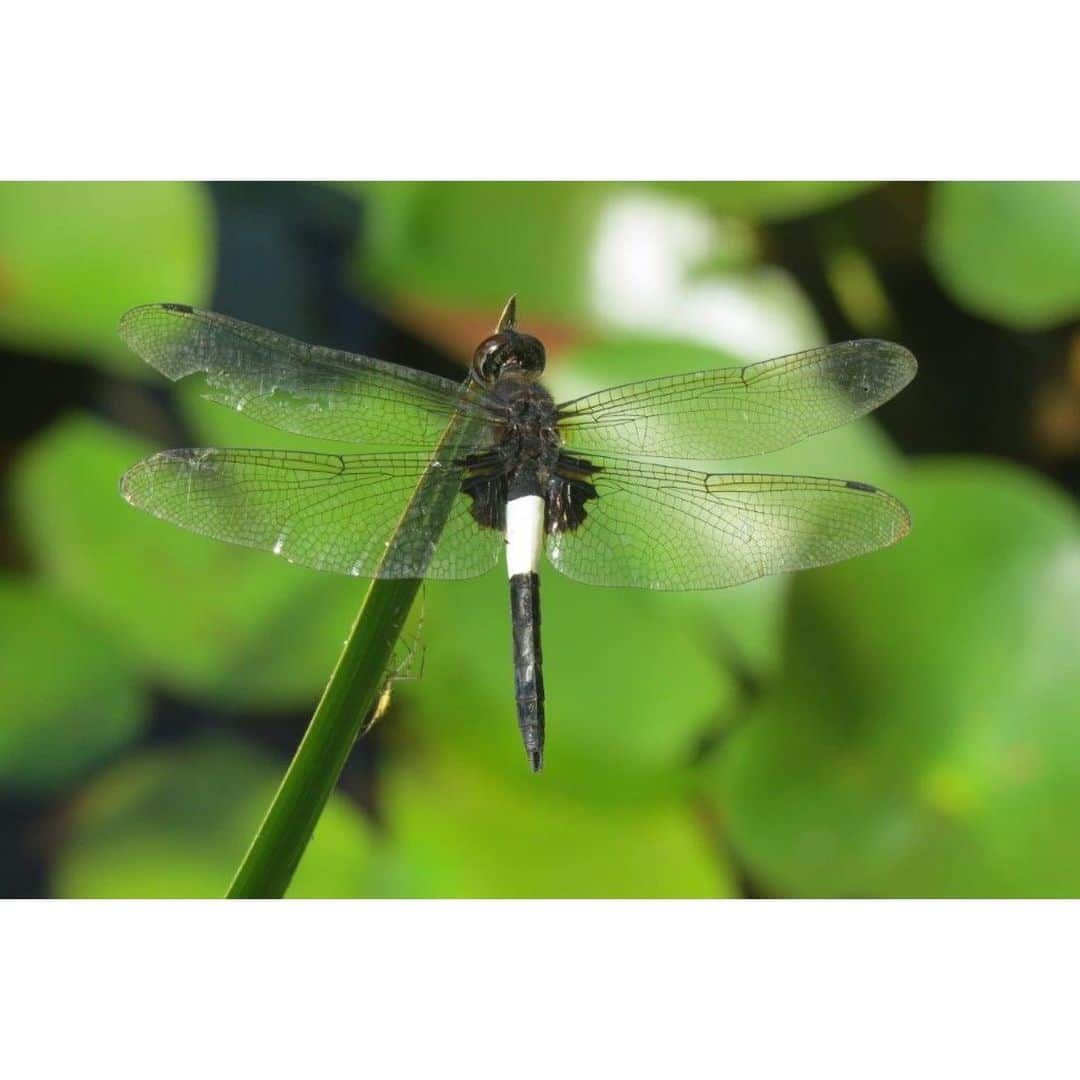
(907, 724)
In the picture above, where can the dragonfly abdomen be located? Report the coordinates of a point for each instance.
(528, 664)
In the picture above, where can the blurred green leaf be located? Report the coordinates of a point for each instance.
(70, 699)
(924, 739)
(175, 823)
(471, 244)
(624, 714)
(455, 831)
(204, 618)
(769, 200)
(73, 256)
(1009, 252)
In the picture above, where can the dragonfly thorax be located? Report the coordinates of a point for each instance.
(526, 460)
(530, 440)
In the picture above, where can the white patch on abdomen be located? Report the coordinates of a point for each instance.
(524, 534)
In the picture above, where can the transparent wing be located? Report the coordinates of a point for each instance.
(305, 389)
(659, 527)
(735, 412)
(327, 511)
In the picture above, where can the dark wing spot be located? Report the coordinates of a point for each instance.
(857, 485)
(184, 309)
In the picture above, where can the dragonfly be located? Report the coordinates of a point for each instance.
(445, 477)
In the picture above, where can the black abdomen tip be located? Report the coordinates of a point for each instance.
(536, 760)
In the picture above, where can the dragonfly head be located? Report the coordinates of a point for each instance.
(505, 352)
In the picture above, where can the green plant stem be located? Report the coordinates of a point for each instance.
(356, 681)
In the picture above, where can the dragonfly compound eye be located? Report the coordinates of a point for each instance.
(489, 356)
(508, 351)
(527, 354)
